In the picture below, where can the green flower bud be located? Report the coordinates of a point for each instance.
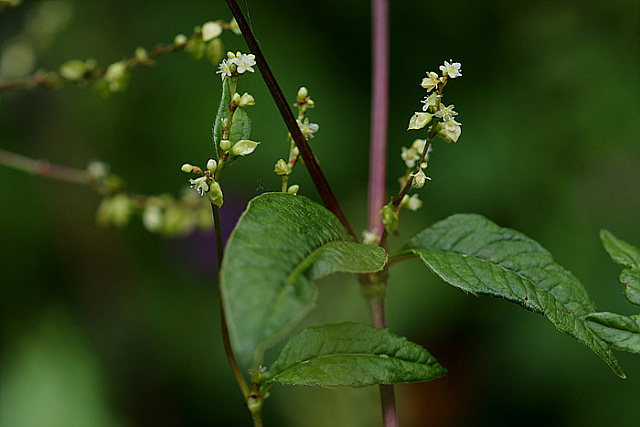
(293, 189)
(225, 144)
(236, 98)
(389, 218)
(141, 54)
(73, 70)
(180, 40)
(244, 147)
(302, 93)
(282, 168)
(186, 168)
(214, 51)
(212, 165)
(215, 194)
(246, 100)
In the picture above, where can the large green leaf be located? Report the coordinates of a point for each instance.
(281, 243)
(619, 331)
(470, 252)
(352, 355)
(626, 255)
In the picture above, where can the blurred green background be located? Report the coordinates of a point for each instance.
(109, 327)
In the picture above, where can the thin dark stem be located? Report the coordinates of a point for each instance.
(310, 161)
(379, 113)
(223, 319)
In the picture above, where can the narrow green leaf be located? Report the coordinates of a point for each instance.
(240, 127)
(470, 252)
(352, 355)
(223, 113)
(281, 243)
(619, 331)
(626, 255)
(240, 124)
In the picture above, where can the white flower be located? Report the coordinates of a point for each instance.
(200, 185)
(419, 179)
(210, 30)
(245, 62)
(152, 218)
(225, 68)
(431, 101)
(419, 120)
(431, 81)
(308, 129)
(418, 145)
(370, 237)
(409, 156)
(412, 203)
(451, 69)
(446, 113)
(451, 130)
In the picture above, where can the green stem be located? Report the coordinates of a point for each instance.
(225, 331)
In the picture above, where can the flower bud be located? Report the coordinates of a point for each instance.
(186, 168)
(211, 30)
(282, 168)
(302, 93)
(236, 98)
(244, 147)
(180, 40)
(246, 100)
(225, 144)
(212, 165)
(215, 194)
(389, 218)
(293, 189)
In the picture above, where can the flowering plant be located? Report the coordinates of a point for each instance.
(284, 242)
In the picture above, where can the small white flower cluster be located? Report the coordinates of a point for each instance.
(205, 183)
(236, 64)
(449, 129)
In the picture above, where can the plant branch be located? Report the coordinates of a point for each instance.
(43, 168)
(287, 115)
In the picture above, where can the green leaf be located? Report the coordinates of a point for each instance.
(240, 125)
(626, 255)
(470, 252)
(223, 113)
(619, 331)
(281, 243)
(621, 252)
(352, 355)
